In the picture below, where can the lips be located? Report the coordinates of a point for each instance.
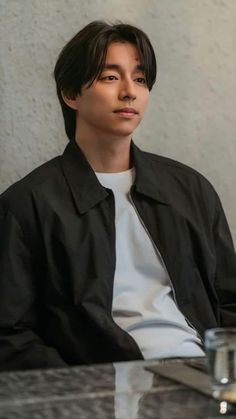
(128, 111)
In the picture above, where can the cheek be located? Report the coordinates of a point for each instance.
(145, 102)
(90, 106)
(105, 93)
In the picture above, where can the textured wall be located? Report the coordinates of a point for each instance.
(191, 116)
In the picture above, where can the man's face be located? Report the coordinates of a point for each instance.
(115, 103)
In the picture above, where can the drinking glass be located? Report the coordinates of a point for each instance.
(220, 346)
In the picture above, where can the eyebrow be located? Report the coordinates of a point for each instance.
(139, 67)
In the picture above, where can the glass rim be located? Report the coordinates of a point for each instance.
(219, 330)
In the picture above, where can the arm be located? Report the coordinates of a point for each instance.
(225, 269)
(20, 346)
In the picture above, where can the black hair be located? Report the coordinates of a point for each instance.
(82, 59)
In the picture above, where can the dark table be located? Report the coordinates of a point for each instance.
(122, 390)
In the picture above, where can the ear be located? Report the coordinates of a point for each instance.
(70, 101)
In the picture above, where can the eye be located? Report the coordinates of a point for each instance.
(109, 78)
(141, 80)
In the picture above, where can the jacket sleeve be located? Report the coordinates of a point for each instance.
(225, 269)
(20, 346)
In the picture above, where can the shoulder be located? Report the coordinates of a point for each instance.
(169, 164)
(17, 196)
(176, 171)
(187, 190)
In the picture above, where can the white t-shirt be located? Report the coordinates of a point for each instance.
(143, 302)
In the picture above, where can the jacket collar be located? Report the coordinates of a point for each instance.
(148, 179)
(87, 190)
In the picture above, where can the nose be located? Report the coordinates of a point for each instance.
(127, 90)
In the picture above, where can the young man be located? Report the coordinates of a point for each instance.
(109, 253)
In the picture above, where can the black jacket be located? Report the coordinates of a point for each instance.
(57, 258)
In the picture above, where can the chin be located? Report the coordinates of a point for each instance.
(125, 132)
(123, 135)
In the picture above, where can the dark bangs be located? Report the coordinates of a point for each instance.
(121, 33)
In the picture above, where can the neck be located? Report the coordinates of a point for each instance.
(106, 155)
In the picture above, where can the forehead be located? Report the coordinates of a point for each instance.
(122, 53)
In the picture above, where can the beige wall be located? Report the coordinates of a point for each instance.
(191, 116)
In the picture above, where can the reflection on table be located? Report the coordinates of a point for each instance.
(122, 390)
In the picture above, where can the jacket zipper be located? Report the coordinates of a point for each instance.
(165, 267)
